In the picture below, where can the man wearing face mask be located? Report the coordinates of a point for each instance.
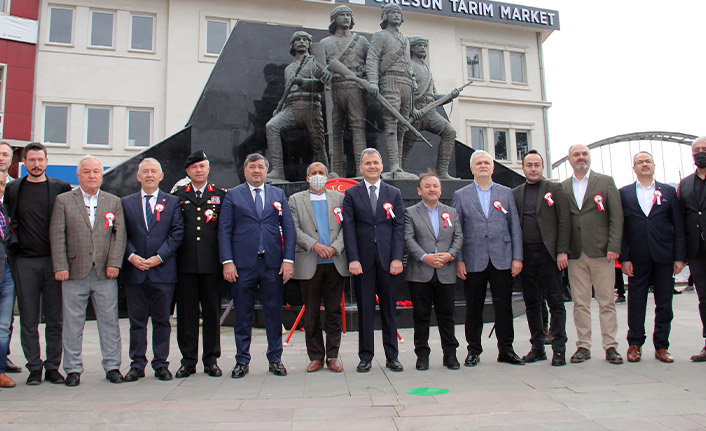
(320, 264)
(691, 196)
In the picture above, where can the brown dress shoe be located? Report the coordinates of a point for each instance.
(314, 365)
(634, 353)
(6, 382)
(334, 364)
(701, 357)
(664, 356)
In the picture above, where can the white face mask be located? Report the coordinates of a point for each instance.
(317, 182)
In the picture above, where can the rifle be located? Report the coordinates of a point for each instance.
(290, 84)
(341, 69)
(442, 101)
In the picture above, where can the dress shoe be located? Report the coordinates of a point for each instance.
(73, 379)
(620, 300)
(10, 367)
(634, 353)
(133, 374)
(472, 359)
(612, 356)
(6, 382)
(701, 357)
(334, 364)
(364, 366)
(558, 359)
(277, 368)
(510, 358)
(54, 377)
(162, 373)
(239, 371)
(394, 365)
(213, 370)
(114, 376)
(582, 354)
(422, 363)
(185, 371)
(314, 366)
(534, 356)
(451, 362)
(35, 377)
(664, 356)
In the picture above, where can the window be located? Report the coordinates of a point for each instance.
(3, 6)
(61, 22)
(2, 91)
(517, 65)
(478, 139)
(139, 128)
(98, 126)
(473, 62)
(102, 28)
(142, 33)
(56, 121)
(497, 67)
(500, 144)
(216, 34)
(521, 143)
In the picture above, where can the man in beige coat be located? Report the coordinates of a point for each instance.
(87, 234)
(320, 264)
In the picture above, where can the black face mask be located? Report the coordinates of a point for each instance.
(700, 160)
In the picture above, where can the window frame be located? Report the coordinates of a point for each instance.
(49, 25)
(501, 53)
(523, 57)
(154, 35)
(89, 43)
(87, 144)
(5, 10)
(68, 124)
(481, 63)
(529, 142)
(508, 144)
(127, 128)
(208, 19)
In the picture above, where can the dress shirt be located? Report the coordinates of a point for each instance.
(153, 202)
(645, 196)
(377, 187)
(484, 197)
(262, 193)
(201, 190)
(434, 218)
(580, 187)
(91, 202)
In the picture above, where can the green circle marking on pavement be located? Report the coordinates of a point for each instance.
(427, 392)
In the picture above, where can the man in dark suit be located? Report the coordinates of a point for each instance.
(492, 253)
(544, 216)
(692, 196)
(373, 231)
(155, 229)
(198, 291)
(433, 238)
(654, 248)
(30, 201)
(256, 241)
(596, 234)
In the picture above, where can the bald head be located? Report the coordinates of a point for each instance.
(580, 159)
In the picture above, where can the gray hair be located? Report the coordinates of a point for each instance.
(308, 168)
(254, 157)
(86, 158)
(149, 160)
(642, 152)
(367, 151)
(699, 139)
(479, 153)
(572, 147)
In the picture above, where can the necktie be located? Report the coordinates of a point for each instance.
(149, 215)
(2, 225)
(258, 210)
(373, 198)
(198, 195)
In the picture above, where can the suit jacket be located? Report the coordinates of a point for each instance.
(554, 220)
(308, 234)
(658, 237)
(364, 232)
(420, 239)
(496, 239)
(163, 238)
(592, 231)
(239, 228)
(76, 245)
(694, 210)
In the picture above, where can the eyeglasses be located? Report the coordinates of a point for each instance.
(644, 162)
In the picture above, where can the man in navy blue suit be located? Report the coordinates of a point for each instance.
(257, 238)
(654, 248)
(155, 229)
(373, 232)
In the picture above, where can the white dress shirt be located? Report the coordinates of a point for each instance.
(377, 187)
(153, 202)
(645, 196)
(580, 187)
(262, 193)
(91, 202)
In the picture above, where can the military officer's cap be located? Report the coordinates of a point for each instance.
(195, 157)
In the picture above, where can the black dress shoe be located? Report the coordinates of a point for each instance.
(534, 356)
(35, 378)
(510, 358)
(558, 359)
(162, 373)
(451, 362)
(422, 364)
(133, 374)
(114, 376)
(277, 368)
(185, 371)
(54, 377)
(472, 359)
(364, 366)
(73, 379)
(213, 370)
(10, 367)
(582, 354)
(395, 365)
(239, 371)
(612, 356)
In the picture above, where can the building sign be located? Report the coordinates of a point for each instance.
(505, 13)
(19, 29)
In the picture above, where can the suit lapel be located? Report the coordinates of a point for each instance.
(476, 201)
(309, 209)
(366, 197)
(633, 202)
(78, 198)
(424, 214)
(589, 189)
(331, 215)
(247, 197)
(101, 209)
(543, 186)
(521, 200)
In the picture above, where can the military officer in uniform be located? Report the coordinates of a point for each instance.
(199, 285)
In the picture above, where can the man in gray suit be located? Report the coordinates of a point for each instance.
(596, 238)
(87, 235)
(433, 237)
(492, 252)
(320, 264)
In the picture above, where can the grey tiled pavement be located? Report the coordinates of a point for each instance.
(591, 396)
